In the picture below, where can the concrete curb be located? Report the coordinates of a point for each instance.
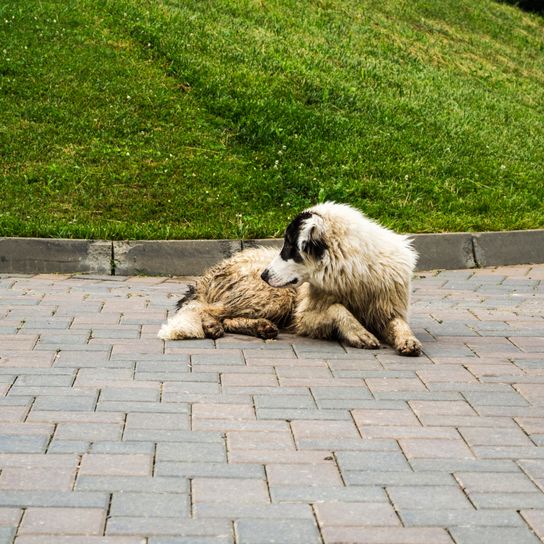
(191, 257)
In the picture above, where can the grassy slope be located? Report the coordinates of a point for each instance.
(146, 119)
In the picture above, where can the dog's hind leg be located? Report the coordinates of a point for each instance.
(262, 328)
(399, 335)
(338, 321)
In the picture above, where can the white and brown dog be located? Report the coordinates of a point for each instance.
(339, 275)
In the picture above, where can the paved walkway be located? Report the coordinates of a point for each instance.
(109, 436)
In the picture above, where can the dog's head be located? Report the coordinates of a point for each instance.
(303, 251)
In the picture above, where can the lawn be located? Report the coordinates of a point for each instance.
(222, 119)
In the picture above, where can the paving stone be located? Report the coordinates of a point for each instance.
(231, 490)
(37, 478)
(417, 497)
(510, 500)
(316, 494)
(460, 518)
(191, 452)
(481, 535)
(167, 505)
(252, 511)
(292, 456)
(84, 521)
(296, 474)
(22, 444)
(356, 514)
(385, 535)
(500, 482)
(324, 429)
(434, 448)
(17, 498)
(222, 411)
(291, 531)
(143, 484)
(63, 539)
(260, 440)
(391, 478)
(209, 470)
(370, 460)
(6, 535)
(384, 417)
(121, 447)
(122, 525)
(467, 465)
(285, 401)
(115, 465)
(294, 413)
(89, 431)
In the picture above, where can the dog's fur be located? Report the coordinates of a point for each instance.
(338, 275)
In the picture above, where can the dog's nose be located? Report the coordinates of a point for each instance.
(265, 275)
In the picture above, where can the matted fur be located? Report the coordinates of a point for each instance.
(339, 275)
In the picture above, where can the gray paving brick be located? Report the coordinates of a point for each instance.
(292, 531)
(146, 407)
(469, 465)
(500, 482)
(63, 499)
(312, 494)
(209, 470)
(122, 525)
(252, 511)
(219, 539)
(191, 452)
(122, 447)
(481, 535)
(460, 518)
(391, 478)
(285, 401)
(429, 497)
(7, 534)
(510, 500)
(370, 460)
(295, 413)
(81, 403)
(341, 443)
(158, 505)
(141, 484)
(158, 435)
(22, 444)
(68, 446)
(385, 535)
(137, 394)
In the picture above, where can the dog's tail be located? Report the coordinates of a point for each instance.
(187, 321)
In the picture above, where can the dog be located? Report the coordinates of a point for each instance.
(339, 275)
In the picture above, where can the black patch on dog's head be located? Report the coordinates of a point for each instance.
(314, 247)
(189, 295)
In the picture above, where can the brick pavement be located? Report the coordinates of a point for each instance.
(110, 436)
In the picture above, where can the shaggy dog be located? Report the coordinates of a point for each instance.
(339, 275)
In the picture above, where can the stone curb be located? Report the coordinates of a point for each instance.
(191, 257)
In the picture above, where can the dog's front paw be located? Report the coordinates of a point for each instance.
(363, 340)
(410, 347)
(266, 329)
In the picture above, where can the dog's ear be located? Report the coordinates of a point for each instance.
(312, 237)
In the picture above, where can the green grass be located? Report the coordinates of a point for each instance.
(222, 119)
